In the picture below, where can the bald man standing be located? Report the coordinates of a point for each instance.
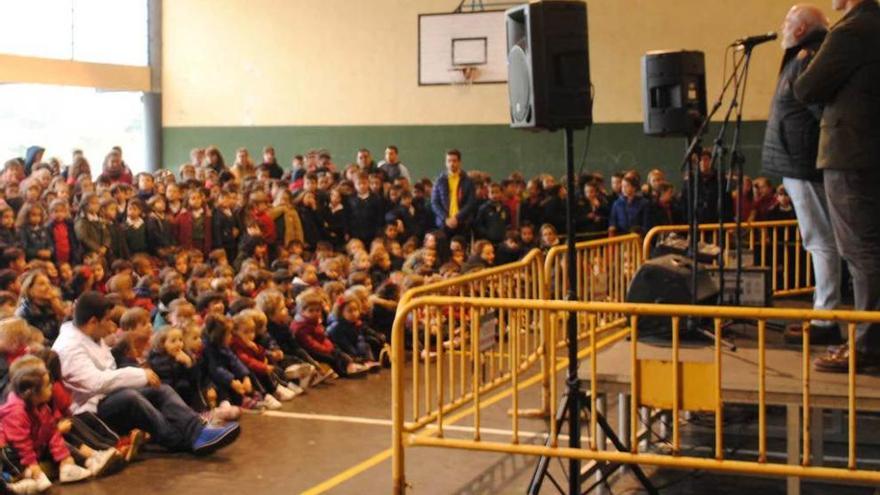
(791, 144)
(845, 77)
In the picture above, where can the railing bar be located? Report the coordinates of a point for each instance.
(415, 362)
(514, 364)
(553, 386)
(593, 382)
(634, 387)
(851, 433)
(775, 248)
(719, 405)
(476, 372)
(463, 356)
(806, 384)
(797, 257)
(676, 387)
(427, 356)
(762, 391)
(453, 346)
(786, 264)
(440, 384)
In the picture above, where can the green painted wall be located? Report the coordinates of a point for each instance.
(496, 149)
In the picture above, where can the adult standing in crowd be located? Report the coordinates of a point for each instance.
(391, 166)
(845, 77)
(453, 197)
(791, 144)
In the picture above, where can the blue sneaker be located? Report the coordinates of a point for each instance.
(215, 437)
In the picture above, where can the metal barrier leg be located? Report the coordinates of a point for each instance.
(817, 432)
(665, 425)
(793, 446)
(645, 415)
(601, 409)
(623, 426)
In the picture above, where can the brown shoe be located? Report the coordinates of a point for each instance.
(836, 360)
(819, 335)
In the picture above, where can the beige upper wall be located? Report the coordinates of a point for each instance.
(354, 62)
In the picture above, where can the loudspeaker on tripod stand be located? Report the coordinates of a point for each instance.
(548, 66)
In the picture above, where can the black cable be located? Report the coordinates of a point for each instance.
(587, 140)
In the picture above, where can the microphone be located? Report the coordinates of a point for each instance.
(751, 41)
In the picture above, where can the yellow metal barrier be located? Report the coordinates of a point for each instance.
(774, 245)
(488, 356)
(605, 268)
(521, 279)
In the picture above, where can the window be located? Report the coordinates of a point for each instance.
(61, 118)
(104, 31)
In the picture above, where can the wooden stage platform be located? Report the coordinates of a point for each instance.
(784, 387)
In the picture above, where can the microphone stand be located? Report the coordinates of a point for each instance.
(718, 152)
(737, 160)
(693, 177)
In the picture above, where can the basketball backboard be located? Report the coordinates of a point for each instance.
(454, 45)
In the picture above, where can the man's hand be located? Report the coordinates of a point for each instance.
(452, 222)
(248, 388)
(152, 378)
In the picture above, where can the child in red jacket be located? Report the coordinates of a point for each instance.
(30, 428)
(255, 357)
(194, 223)
(309, 333)
(259, 206)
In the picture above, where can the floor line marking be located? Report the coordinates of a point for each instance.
(330, 417)
(357, 469)
(387, 422)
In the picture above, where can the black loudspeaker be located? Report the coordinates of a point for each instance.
(548, 66)
(667, 280)
(673, 92)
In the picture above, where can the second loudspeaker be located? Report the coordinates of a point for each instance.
(673, 92)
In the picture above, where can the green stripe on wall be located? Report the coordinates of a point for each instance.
(495, 149)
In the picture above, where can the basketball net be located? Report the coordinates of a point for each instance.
(463, 75)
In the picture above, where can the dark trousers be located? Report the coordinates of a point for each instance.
(88, 429)
(854, 207)
(158, 411)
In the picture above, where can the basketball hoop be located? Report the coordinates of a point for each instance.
(463, 75)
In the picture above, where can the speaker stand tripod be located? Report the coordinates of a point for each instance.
(605, 468)
(574, 401)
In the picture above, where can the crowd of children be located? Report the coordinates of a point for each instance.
(242, 286)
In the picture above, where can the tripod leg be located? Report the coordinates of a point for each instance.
(544, 462)
(636, 469)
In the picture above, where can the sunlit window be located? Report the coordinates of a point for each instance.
(105, 31)
(62, 118)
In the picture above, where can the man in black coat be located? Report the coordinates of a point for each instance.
(845, 77)
(791, 144)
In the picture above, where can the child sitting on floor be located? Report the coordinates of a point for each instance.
(346, 331)
(31, 431)
(302, 366)
(309, 332)
(229, 374)
(133, 338)
(255, 357)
